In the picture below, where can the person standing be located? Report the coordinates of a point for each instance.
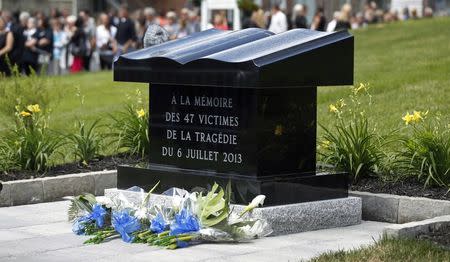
(6, 46)
(172, 26)
(59, 44)
(78, 46)
(89, 31)
(105, 41)
(30, 55)
(319, 22)
(299, 19)
(126, 32)
(343, 22)
(44, 45)
(278, 21)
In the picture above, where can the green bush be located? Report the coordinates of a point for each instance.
(130, 131)
(425, 151)
(87, 142)
(32, 143)
(352, 145)
(6, 157)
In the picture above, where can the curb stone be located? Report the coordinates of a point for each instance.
(32, 191)
(400, 209)
(413, 229)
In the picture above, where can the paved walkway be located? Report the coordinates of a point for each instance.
(41, 232)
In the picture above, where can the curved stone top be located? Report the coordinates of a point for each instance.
(245, 58)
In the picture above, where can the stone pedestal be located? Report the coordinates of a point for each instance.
(284, 219)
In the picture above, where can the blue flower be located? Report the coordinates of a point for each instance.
(158, 224)
(125, 225)
(79, 225)
(182, 244)
(98, 215)
(183, 223)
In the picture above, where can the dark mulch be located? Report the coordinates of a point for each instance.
(103, 163)
(440, 237)
(406, 187)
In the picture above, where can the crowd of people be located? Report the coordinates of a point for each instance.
(62, 43)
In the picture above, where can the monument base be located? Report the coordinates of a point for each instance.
(284, 219)
(279, 190)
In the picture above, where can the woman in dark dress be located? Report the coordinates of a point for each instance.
(6, 46)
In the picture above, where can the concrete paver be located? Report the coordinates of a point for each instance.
(40, 232)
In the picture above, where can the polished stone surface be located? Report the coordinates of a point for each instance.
(41, 232)
(278, 189)
(247, 132)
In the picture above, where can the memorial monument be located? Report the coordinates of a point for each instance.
(239, 106)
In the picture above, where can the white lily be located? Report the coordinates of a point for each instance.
(257, 201)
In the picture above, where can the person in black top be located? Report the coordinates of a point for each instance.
(126, 32)
(6, 45)
(44, 45)
(319, 22)
(300, 16)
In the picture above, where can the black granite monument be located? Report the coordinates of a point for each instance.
(239, 106)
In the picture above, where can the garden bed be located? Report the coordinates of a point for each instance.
(407, 187)
(101, 164)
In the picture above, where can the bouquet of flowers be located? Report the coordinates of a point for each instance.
(191, 218)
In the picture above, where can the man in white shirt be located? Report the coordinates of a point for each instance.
(278, 22)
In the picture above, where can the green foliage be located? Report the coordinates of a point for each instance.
(215, 206)
(352, 145)
(81, 204)
(32, 143)
(6, 157)
(130, 128)
(87, 142)
(425, 152)
(19, 90)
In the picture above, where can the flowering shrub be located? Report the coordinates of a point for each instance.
(425, 151)
(352, 145)
(32, 143)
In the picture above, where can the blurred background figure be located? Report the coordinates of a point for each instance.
(89, 31)
(299, 16)
(319, 22)
(60, 40)
(332, 24)
(30, 55)
(126, 32)
(343, 22)
(172, 26)
(78, 46)
(220, 21)
(105, 41)
(278, 21)
(6, 46)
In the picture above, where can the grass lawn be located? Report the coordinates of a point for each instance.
(406, 63)
(408, 67)
(390, 250)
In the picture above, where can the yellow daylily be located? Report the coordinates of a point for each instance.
(333, 108)
(325, 144)
(34, 108)
(414, 118)
(140, 113)
(25, 114)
